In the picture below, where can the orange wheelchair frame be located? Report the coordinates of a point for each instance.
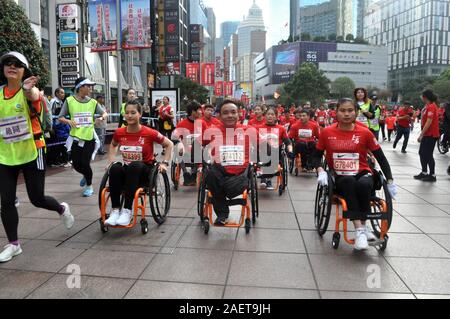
(281, 174)
(176, 174)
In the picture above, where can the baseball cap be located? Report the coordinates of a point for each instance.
(83, 81)
(16, 55)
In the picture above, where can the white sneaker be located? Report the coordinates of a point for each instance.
(361, 239)
(9, 252)
(125, 217)
(112, 220)
(67, 218)
(370, 236)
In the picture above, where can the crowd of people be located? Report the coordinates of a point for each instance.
(343, 133)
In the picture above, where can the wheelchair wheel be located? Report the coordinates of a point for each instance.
(159, 195)
(322, 207)
(103, 185)
(247, 226)
(336, 240)
(291, 165)
(284, 166)
(442, 147)
(201, 199)
(144, 226)
(382, 194)
(173, 172)
(254, 196)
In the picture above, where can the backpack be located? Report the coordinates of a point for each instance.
(44, 116)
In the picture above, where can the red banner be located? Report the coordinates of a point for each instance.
(208, 73)
(193, 72)
(218, 88)
(228, 88)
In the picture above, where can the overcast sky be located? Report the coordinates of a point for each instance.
(275, 12)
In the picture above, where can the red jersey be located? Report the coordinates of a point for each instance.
(321, 117)
(242, 115)
(254, 122)
(441, 113)
(431, 112)
(213, 122)
(190, 130)
(346, 151)
(137, 147)
(273, 134)
(304, 132)
(164, 111)
(332, 116)
(390, 122)
(403, 112)
(231, 151)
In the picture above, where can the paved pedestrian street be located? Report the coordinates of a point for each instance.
(281, 257)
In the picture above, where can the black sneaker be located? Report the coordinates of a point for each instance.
(448, 170)
(429, 178)
(404, 152)
(421, 176)
(394, 146)
(220, 221)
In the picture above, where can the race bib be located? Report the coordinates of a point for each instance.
(14, 129)
(232, 155)
(131, 154)
(305, 133)
(346, 164)
(83, 119)
(362, 118)
(374, 122)
(321, 119)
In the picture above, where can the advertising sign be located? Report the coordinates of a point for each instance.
(193, 72)
(68, 53)
(68, 39)
(69, 66)
(208, 74)
(102, 25)
(68, 10)
(172, 94)
(69, 24)
(135, 21)
(285, 62)
(228, 88)
(218, 88)
(316, 52)
(68, 80)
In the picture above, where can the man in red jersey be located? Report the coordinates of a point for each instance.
(230, 149)
(189, 132)
(208, 117)
(321, 116)
(305, 133)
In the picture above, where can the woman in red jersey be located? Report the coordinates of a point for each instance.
(346, 146)
(135, 143)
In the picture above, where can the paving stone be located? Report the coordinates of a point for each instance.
(173, 290)
(18, 284)
(271, 240)
(235, 292)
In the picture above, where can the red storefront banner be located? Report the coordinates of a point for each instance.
(193, 72)
(228, 88)
(218, 88)
(208, 74)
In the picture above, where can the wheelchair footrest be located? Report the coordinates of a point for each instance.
(376, 243)
(237, 202)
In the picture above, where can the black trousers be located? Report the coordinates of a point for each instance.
(81, 159)
(376, 134)
(426, 151)
(383, 130)
(128, 178)
(405, 132)
(34, 175)
(390, 134)
(305, 149)
(357, 191)
(215, 178)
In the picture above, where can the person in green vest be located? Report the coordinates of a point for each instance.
(131, 96)
(364, 106)
(374, 123)
(21, 149)
(81, 109)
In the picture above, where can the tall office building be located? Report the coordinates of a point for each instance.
(361, 11)
(330, 17)
(211, 17)
(227, 29)
(294, 21)
(417, 35)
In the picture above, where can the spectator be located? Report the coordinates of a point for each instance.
(101, 125)
(57, 102)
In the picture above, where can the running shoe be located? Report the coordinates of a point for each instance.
(429, 178)
(370, 236)
(269, 185)
(83, 182)
(112, 220)
(421, 176)
(88, 191)
(220, 221)
(67, 218)
(9, 252)
(361, 239)
(125, 217)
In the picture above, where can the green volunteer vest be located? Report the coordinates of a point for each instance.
(374, 124)
(122, 112)
(361, 117)
(17, 144)
(79, 113)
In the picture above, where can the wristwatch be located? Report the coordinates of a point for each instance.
(165, 163)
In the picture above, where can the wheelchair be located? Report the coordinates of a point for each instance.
(175, 173)
(281, 174)
(298, 165)
(380, 216)
(155, 192)
(249, 203)
(443, 145)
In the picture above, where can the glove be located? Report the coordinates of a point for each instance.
(392, 188)
(322, 179)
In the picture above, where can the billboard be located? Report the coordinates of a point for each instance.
(316, 52)
(218, 88)
(208, 74)
(135, 22)
(285, 62)
(172, 94)
(193, 72)
(102, 25)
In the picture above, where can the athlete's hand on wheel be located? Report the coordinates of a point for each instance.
(322, 179)
(162, 168)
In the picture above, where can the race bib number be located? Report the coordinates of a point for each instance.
(305, 133)
(374, 122)
(346, 164)
(361, 118)
(14, 129)
(83, 119)
(131, 154)
(232, 155)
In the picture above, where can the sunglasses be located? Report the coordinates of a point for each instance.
(15, 63)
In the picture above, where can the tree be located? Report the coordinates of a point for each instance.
(290, 39)
(340, 39)
(320, 39)
(349, 37)
(332, 37)
(192, 90)
(412, 89)
(306, 37)
(308, 84)
(17, 35)
(343, 87)
(360, 41)
(285, 98)
(296, 38)
(442, 88)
